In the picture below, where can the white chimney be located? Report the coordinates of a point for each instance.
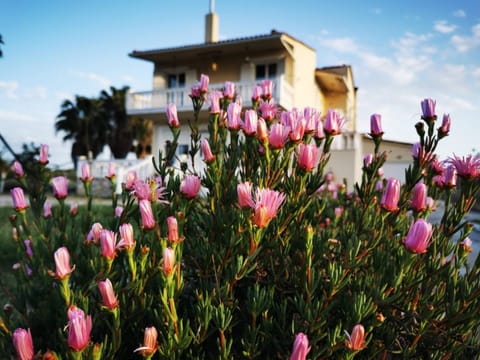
(211, 24)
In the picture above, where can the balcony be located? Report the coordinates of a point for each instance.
(156, 101)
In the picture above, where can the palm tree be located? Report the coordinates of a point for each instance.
(1, 42)
(120, 137)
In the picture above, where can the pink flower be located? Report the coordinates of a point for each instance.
(262, 130)
(62, 263)
(338, 211)
(296, 122)
(391, 195)
(60, 187)
(118, 211)
(419, 197)
(142, 190)
(229, 90)
(307, 156)
(300, 347)
(47, 209)
(172, 116)
(418, 236)
(445, 128)
(108, 244)
(244, 193)
(312, 117)
(267, 89)
(146, 212)
(278, 136)
(207, 152)
(130, 180)
(168, 261)
(18, 199)
(23, 343)
(214, 98)
(267, 203)
(249, 126)
(257, 93)
(428, 109)
(233, 115)
(319, 132)
(108, 295)
(376, 125)
(367, 160)
(450, 179)
(79, 328)
(94, 233)
(111, 172)
(268, 109)
(333, 123)
(190, 186)
(43, 158)
(172, 225)
(203, 83)
(356, 341)
(466, 244)
(86, 175)
(18, 169)
(127, 239)
(467, 167)
(149, 342)
(74, 209)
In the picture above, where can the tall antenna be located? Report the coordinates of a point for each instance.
(212, 6)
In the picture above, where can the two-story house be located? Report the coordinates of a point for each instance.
(289, 62)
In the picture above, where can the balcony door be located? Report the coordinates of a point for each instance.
(266, 71)
(176, 88)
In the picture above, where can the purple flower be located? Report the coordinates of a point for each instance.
(428, 109)
(418, 237)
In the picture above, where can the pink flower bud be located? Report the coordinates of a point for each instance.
(43, 158)
(18, 169)
(111, 171)
(148, 220)
(300, 347)
(86, 175)
(172, 116)
(244, 193)
(168, 261)
(108, 244)
(356, 341)
(278, 136)
(249, 127)
(47, 209)
(376, 125)
(79, 328)
(333, 123)
(127, 239)
(307, 156)
(207, 152)
(466, 244)
(23, 343)
(203, 83)
(94, 233)
(190, 186)
(118, 211)
(62, 263)
(229, 90)
(257, 93)
(60, 187)
(28, 248)
(338, 211)
(268, 109)
(214, 98)
(312, 117)
(149, 342)
(18, 199)
(419, 197)
(267, 89)
(74, 209)
(450, 179)
(428, 108)
(418, 236)
(391, 195)
(130, 180)
(108, 295)
(233, 114)
(262, 130)
(172, 229)
(367, 160)
(445, 128)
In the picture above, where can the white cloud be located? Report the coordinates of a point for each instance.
(343, 45)
(94, 77)
(38, 92)
(466, 43)
(476, 72)
(9, 88)
(459, 13)
(442, 26)
(6, 116)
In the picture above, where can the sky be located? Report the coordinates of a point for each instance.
(401, 52)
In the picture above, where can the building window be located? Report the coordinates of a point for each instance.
(265, 71)
(176, 80)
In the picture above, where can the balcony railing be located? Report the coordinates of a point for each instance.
(155, 101)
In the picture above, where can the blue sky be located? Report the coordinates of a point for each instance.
(401, 52)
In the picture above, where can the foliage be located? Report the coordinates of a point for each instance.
(271, 247)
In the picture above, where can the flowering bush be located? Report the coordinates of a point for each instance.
(255, 254)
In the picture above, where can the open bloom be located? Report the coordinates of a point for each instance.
(79, 328)
(267, 203)
(419, 197)
(391, 195)
(149, 342)
(60, 187)
(86, 175)
(356, 341)
(312, 117)
(94, 233)
(127, 239)
(172, 225)
(333, 123)
(23, 343)
(172, 116)
(300, 347)
(168, 261)
(62, 263)
(468, 167)
(18, 199)
(244, 193)
(108, 244)
(278, 136)
(190, 186)
(307, 156)
(108, 295)
(18, 169)
(146, 212)
(418, 237)
(376, 125)
(268, 109)
(207, 151)
(43, 158)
